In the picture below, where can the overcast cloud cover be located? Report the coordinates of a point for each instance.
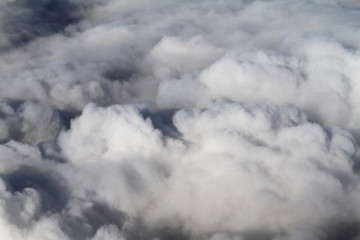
(179, 120)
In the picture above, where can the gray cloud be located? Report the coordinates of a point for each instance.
(28, 122)
(22, 21)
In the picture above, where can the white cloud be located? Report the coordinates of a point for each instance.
(218, 120)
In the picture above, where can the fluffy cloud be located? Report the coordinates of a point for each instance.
(306, 72)
(206, 120)
(237, 168)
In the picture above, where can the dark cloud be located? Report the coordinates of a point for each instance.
(24, 20)
(53, 195)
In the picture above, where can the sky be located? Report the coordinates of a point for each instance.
(179, 120)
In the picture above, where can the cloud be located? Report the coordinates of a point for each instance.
(204, 120)
(28, 122)
(308, 72)
(22, 21)
(271, 161)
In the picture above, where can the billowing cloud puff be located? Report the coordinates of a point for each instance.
(322, 72)
(236, 168)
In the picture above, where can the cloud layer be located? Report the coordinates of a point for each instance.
(204, 120)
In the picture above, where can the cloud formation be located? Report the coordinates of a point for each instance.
(186, 120)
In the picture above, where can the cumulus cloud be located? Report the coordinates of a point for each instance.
(202, 120)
